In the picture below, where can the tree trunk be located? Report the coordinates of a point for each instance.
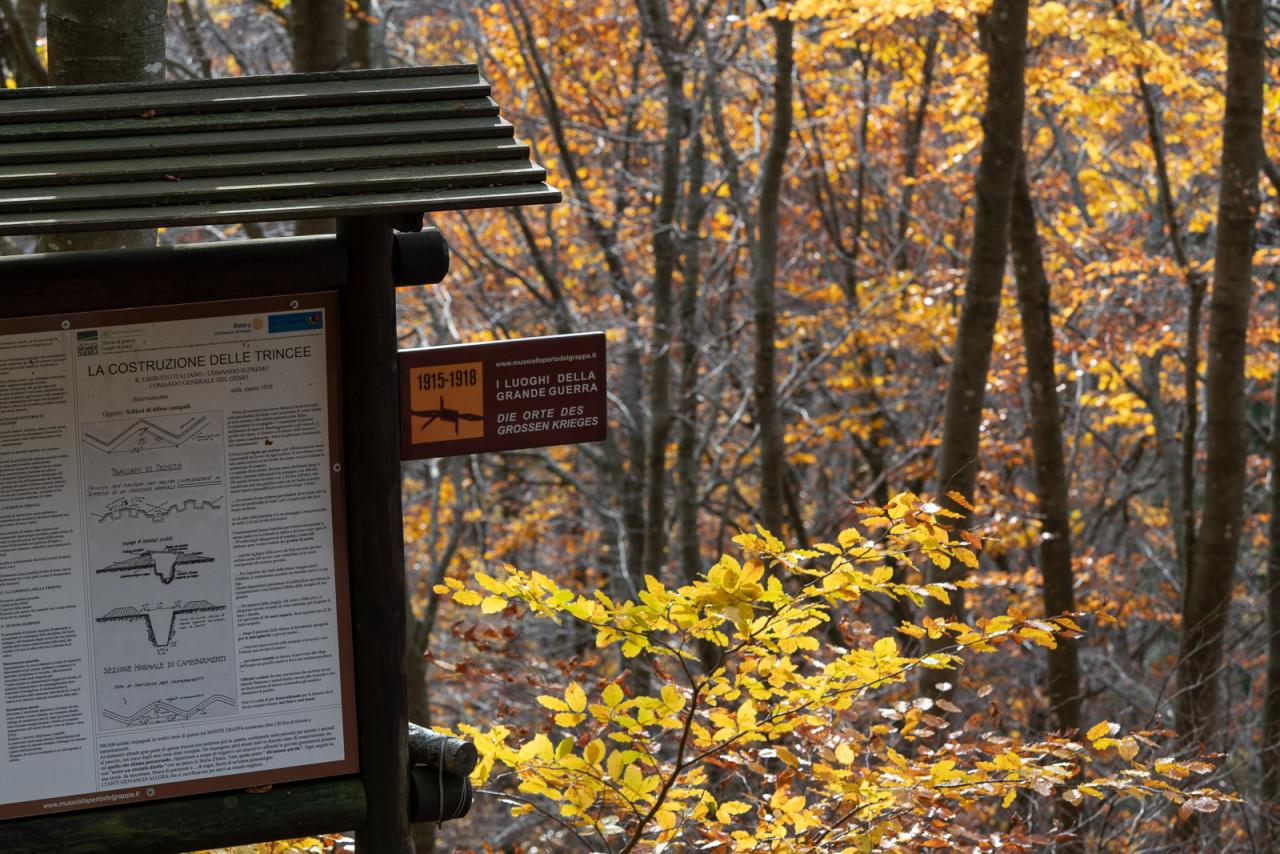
(29, 71)
(440, 550)
(424, 833)
(860, 185)
(1270, 749)
(360, 35)
(657, 28)
(911, 147)
(95, 42)
(760, 229)
(1184, 513)
(1004, 33)
(1207, 597)
(1052, 488)
(687, 482)
(318, 33)
(631, 488)
(764, 270)
(191, 27)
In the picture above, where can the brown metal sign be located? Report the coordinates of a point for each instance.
(502, 395)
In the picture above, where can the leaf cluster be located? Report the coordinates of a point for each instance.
(752, 731)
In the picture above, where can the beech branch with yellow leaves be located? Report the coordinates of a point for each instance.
(783, 741)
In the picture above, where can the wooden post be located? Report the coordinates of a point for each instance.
(371, 440)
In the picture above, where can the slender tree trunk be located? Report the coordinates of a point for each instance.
(764, 270)
(31, 13)
(441, 549)
(1004, 34)
(1207, 597)
(95, 42)
(191, 26)
(360, 35)
(859, 185)
(22, 34)
(760, 229)
(424, 833)
(318, 34)
(656, 20)
(632, 486)
(911, 147)
(1185, 527)
(1172, 458)
(1269, 758)
(367, 35)
(687, 484)
(1052, 487)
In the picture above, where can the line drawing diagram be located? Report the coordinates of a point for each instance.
(161, 712)
(145, 434)
(137, 508)
(163, 563)
(161, 622)
(445, 414)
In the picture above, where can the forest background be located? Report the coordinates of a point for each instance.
(793, 221)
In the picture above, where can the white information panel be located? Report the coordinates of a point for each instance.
(173, 588)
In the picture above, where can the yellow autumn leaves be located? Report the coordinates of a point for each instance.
(744, 685)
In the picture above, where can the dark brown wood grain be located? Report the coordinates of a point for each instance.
(43, 142)
(100, 281)
(371, 394)
(195, 823)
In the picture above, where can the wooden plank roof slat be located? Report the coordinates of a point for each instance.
(186, 167)
(182, 100)
(351, 182)
(417, 72)
(55, 132)
(464, 198)
(253, 149)
(370, 135)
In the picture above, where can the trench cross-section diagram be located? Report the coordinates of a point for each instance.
(161, 622)
(163, 563)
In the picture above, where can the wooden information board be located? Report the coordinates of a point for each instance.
(173, 582)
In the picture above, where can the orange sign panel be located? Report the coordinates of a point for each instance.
(446, 402)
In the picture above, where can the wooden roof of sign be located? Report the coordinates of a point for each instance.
(253, 149)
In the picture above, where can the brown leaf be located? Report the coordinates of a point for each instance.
(1200, 804)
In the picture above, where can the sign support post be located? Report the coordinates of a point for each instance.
(374, 525)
